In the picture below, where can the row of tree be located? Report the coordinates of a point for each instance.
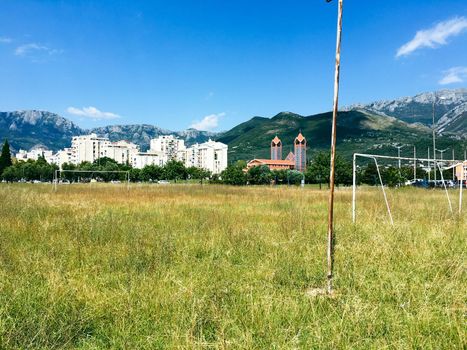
(172, 170)
(317, 172)
(105, 169)
(29, 171)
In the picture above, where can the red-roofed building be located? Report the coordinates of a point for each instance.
(273, 164)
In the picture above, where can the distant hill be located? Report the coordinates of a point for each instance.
(357, 131)
(141, 134)
(28, 129)
(450, 109)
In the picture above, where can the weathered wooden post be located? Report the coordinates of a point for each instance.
(330, 247)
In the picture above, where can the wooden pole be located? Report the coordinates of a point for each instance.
(330, 247)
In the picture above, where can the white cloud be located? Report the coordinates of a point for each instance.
(5, 40)
(92, 112)
(435, 36)
(24, 50)
(454, 75)
(208, 123)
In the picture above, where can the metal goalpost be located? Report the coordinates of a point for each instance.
(58, 174)
(454, 164)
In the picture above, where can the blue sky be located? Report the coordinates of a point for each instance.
(214, 64)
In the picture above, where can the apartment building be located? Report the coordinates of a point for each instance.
(141, 159)
(121, 151)
(168, 145)
(210, 155)
(34, 154)
(88, 148)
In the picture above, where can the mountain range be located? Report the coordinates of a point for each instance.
(372, 127)
(448, 106)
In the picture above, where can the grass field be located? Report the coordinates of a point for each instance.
(190, 266)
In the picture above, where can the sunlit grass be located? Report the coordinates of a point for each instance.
(191, 266)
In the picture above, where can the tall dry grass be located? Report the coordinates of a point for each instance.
(188, 266)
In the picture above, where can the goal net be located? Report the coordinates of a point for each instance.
(92, 175)
(440, 165)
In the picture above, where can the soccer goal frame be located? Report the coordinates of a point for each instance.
(454, 163)
(58, 174)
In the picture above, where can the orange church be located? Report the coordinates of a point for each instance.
(296, 160)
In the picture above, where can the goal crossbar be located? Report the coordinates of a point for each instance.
(363, 155)
(59, 172)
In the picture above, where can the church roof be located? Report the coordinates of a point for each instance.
(290, 156)
(272, 161)
(300, 137)
(276, 140)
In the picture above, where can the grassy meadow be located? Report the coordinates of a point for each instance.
(216, 267)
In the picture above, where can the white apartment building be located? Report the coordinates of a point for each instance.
(63, 156)
(210, 155)
(121, 151)
(34, 154)
(88, 148)
(59, 158)
(168, 145)
(141, 159)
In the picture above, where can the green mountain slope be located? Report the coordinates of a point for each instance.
(356, 132)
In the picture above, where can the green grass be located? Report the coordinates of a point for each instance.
(190, 266)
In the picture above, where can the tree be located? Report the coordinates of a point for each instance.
(104, 161)
(68, 175)
(343, 171)
(197, 173)
(30, 170)
(11, 174)
(407, 173)
(280, 176)
(151, 173)
(370, 174)
(259, 175)
(318, 171)
(234, 175)
(294, 177)
(391, 177)
(135, 175)
(175, 170)
(5, 157)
